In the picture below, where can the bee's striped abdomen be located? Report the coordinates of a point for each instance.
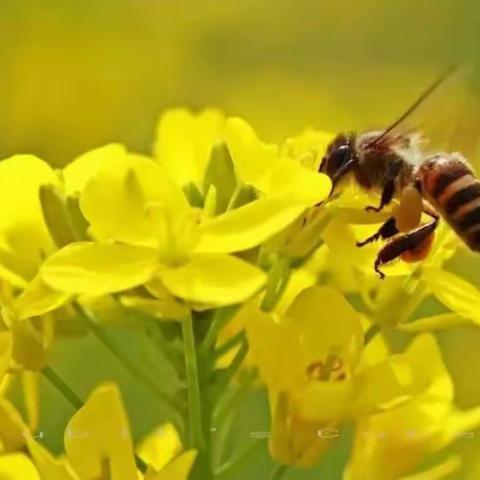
(450, 185)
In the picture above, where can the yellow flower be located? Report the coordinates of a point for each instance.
(391, 444)
(25, 240)
(98, 445)
(145, 229)
(158, 230)
(24, 237)
(322, 382)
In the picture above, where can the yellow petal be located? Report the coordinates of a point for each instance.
(300, 279)
(214, 279)
(268, 340)
(289, 179)
(38, 298)
(77, 173)
(308, 147)
(23, 232)
(337, 329)
(17, 466)
(97, 438)
(6, 343)
(460, 422)
(116, 200)
(247, 226)
(178, 469)
(390, 444)
(13, 430)
(49, 467)
(454, 292)
(252, 158)
(160, 446)
(96, 269)
(184, 143)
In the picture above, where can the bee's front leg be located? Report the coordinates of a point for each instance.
(387, 196)
(414, 245)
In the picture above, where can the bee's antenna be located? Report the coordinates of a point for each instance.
(440, 80)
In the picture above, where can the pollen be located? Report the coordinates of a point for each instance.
(330, 370)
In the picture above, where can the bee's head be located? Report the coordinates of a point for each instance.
(339, 158)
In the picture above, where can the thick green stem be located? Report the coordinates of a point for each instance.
(195, 425)
(198, 420)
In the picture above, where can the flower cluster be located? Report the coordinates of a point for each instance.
(236, 245)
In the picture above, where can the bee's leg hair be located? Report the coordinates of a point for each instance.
(401, 244)
(387, 230)
(388, 188)
(387, 195)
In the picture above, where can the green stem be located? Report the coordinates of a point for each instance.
(136, 371)
(278, 278)
(278, 472)
(371, 333)
(234, 197)
(62, 387)
(224, 413)
(229, 344)
(229, 467)
(220, 318)
(195, 426)
(230, 398)
(232, 369)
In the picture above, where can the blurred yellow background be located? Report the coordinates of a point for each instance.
(78, 74)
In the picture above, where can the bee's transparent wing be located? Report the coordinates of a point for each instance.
(446, 114)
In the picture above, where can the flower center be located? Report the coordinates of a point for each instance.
(330, 370)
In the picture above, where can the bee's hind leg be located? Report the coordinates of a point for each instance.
(387, 230)
(415, 244)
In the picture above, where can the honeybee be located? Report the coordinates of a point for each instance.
(393, 163)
